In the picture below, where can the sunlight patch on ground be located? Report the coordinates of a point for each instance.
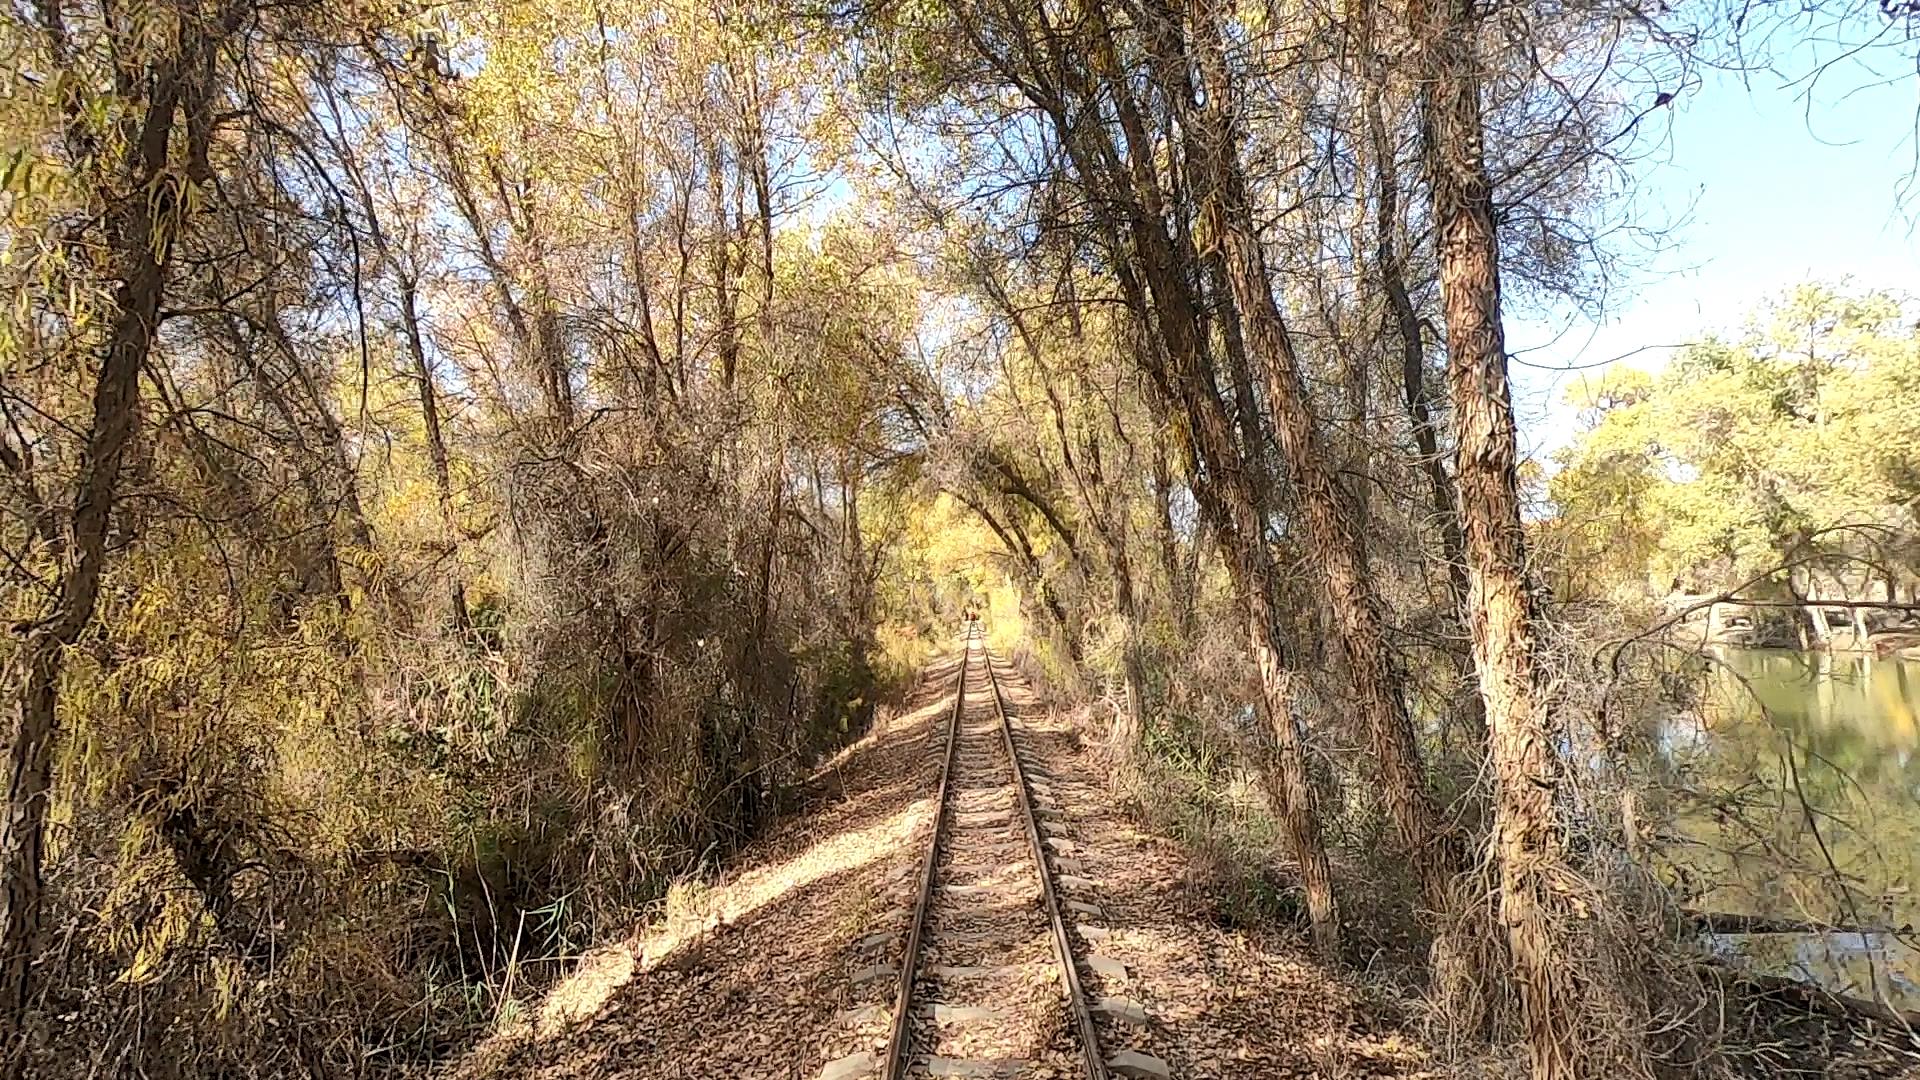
(695, 911)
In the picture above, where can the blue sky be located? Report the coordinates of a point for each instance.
(1773, 184)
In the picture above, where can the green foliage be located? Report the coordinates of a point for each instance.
(399, 675)
(1741, 457)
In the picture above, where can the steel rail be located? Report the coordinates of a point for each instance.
(1062, 944)
(898, 1057)
(894, 1066)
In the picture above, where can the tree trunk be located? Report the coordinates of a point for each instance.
(726, 296)
(1148, 267)
(1014, 540)
(1299, 816)
(141, 227)
(1419, 403)
(539, 342)
(1335, 546)
(1231, 495)
(436, 442)
(1527, 844)
(1179, 590)
(656, 372)
(1130, 722)
(307, 409)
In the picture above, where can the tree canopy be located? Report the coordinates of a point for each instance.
(1794, 442)
(467, 466)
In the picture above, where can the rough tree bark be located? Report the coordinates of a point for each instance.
(1232, 492)
(1527, 843)
(1335, 545)
(1230, 496)
(1149, 267)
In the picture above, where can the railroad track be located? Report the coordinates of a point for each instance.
(987, 983)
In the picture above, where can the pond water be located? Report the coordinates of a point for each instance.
(1804, 770)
